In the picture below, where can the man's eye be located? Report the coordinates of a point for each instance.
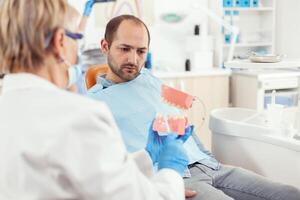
(141, 52)
(124, 49)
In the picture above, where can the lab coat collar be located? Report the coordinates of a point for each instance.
(24, 81)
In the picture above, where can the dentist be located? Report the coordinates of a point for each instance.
(58, 145)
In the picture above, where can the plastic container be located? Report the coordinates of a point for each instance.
(286, 98)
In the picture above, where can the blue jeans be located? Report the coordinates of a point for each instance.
(229, 183)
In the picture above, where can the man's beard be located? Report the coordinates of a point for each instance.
(126, 72)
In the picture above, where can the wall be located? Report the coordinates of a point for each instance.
(288, 28)
(167, 39)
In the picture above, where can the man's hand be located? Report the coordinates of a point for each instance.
(190, 193)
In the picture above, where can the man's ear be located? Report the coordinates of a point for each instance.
(58, 42)
(104, 46)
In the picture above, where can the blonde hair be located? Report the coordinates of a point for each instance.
(25, 27)
(72, 19)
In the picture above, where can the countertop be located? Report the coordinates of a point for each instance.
(247, 64)
(269, 73)
(204, 72)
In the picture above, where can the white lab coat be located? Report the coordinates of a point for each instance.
(59, 145)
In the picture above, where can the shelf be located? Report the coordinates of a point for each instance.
(260, 44)
(258, 9)
(257, 29)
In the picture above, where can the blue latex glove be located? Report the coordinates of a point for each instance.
(156, 142)
(88, 7)
(188, 132)
(173, 156)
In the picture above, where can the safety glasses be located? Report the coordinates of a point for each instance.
(74, 36)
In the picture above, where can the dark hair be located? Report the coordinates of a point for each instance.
(113, 25)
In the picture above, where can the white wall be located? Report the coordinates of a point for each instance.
(168, 44)
(167, 39)
(288, 28)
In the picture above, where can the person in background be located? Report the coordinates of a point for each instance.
(77, 72)
(55, 144)
(133, 95)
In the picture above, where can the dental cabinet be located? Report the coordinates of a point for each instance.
(211, 90)
(253, 88)
(256, 24)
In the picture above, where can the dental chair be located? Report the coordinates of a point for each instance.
(93, 72)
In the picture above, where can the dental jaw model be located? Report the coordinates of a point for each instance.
(173, 123)
(176, 98)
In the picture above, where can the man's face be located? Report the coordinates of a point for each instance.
(127, 53)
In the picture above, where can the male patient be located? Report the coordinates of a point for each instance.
(133, 95)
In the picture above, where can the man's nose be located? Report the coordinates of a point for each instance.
(132, 58)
